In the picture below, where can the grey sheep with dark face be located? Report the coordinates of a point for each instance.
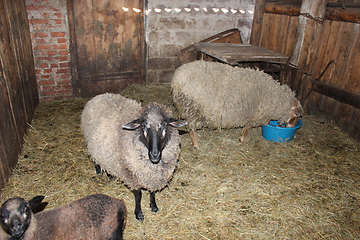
(95, 217)
(139, 145)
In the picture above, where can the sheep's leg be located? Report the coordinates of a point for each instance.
(194, 137)
(97, 169)
(245, 131)
(138, 213)
(153, 206)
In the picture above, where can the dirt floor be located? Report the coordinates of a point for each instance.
(304, 189)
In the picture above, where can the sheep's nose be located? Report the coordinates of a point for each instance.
(155, 156)
(16, 225)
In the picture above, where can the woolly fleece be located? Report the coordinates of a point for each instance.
(216, 95)
(119, 152)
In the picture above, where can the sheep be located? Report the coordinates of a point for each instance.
(217, 95)
(138, 145)
(93, 217)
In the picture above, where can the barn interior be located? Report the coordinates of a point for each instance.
(57, 55)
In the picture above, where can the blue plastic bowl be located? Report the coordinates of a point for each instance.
(279, 134)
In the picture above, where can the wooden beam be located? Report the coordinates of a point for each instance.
(305, 47)
(335, 12)
(257, 22)
(307, 29)
(338, 94)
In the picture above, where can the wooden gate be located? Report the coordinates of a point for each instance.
(107, 45)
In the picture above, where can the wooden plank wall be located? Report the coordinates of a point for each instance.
(339, 41)
(18, 89)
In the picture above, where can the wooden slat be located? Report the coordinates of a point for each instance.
(75, 78)
(257, 25)
(234, 53)
(85, 36)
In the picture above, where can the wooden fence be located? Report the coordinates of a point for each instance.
(18, 89)
(323, 44)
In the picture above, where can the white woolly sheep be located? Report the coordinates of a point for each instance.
(95, 217)
(138, 145)
(216, 95)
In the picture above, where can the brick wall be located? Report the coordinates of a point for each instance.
(175, 24)
(50, 40)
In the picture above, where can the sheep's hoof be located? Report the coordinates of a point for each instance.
(139, 216)
(154, 208)
(98, 169)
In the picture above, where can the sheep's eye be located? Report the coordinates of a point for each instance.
(26, 211)
(3, 218)
(163, 129)
(145, 130)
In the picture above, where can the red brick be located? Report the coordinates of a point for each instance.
(57, 21)
(58, 15)
(43, 65)
(40, 41)
(52, 53)
(67, 87)
(65, 76)
(62, 58)
(46, 99)
(63, 65)
(42, 47)
(55, 9)
(45, 76)
(35, 8)
(54, 65)
(45, 87)
(43, 58)
(40, 34)
(38, 28)
(62, 70)
(58, 34)
(47, 70)
(64, 82)
(61, 40)
(63, 52)
(46, 82)
(46, 15)
(59, 46)
(39, 21)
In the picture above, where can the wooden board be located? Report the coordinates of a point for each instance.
(110, 43)
(18, 88)
(235, 53)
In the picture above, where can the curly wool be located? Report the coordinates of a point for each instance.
(216, 95)
(119, 152)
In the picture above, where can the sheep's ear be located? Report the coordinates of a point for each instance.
(176, 123)
(132, 125)
(33, 203)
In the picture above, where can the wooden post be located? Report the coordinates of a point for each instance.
(308, 32)
(257, 22)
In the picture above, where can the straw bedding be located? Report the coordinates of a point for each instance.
(305, 189)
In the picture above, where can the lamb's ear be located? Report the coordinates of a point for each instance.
(176, 123)
(132, 125)
(36, 201)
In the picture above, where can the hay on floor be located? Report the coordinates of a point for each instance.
(305, 189)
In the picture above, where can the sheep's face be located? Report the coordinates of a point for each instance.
(15, 216)
(155, 129)
(295, 113)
